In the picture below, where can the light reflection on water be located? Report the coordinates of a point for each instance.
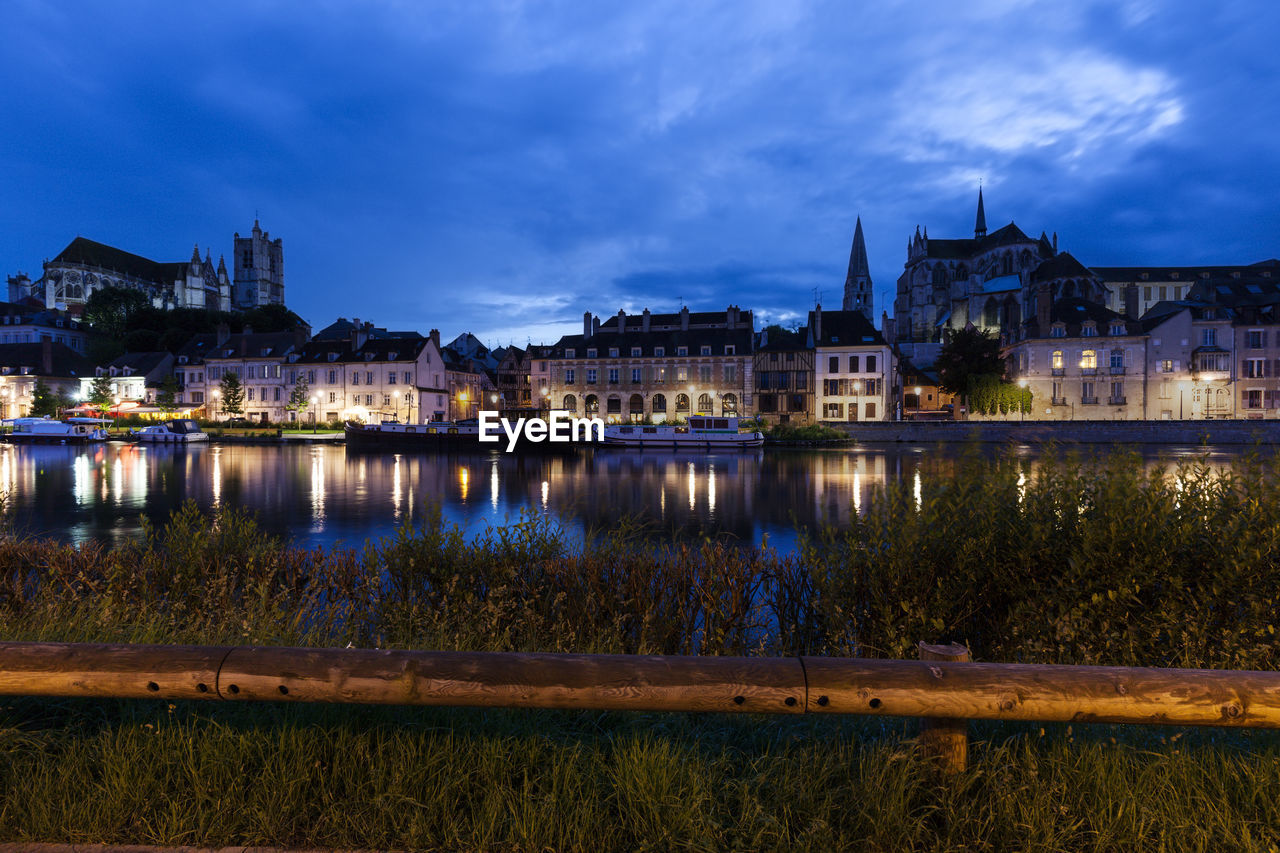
(321, 495)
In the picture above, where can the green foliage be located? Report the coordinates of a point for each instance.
(968, 353)
(989, 394)
(299, 395)
(804, 432)
(44, 402)
(100, 395)
(108, 310)
(167, 394)
(232, 394)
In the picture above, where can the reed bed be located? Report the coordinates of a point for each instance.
(1095, 561)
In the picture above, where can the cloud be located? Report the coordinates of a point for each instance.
(1076, 107)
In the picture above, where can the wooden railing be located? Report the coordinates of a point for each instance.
(943, 687)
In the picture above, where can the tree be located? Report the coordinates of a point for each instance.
(109, 312)
(43, 401)
(300, 396)
(232, 394)
(100, 394)
(167, 395)
(967, 354)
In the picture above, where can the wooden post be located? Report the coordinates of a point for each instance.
(945, 740)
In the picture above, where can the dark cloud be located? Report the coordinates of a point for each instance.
(504, 167)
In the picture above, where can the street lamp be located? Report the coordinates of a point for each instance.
(396, 396)
(216, 395)
(314, 402)
(919, 391)
(1022, 406)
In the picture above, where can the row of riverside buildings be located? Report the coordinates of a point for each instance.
(1126, 343)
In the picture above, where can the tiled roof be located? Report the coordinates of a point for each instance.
(845, 328)
(670, 341)
(91, 253)
(67, 363)
(1061, 265)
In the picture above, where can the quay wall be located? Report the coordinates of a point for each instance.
(1240, 432)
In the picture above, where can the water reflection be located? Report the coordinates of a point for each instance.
(320, 494)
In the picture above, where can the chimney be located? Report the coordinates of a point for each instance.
(684, 319)
(817, 323)
(46, 357)
(622, 321)
(224, 334)
(595, 326)
(1044, 309)
(586, 324)
(644, 321)
(435, 337)
(1131, 301)
(731, 316)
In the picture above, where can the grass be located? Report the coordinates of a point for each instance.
(1079, 562)
(455, 779)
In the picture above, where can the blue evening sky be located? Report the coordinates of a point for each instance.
(500, 167)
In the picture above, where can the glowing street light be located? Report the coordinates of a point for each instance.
(314, 402)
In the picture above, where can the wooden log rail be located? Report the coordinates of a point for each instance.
(950, 690)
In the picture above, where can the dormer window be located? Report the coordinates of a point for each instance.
(659, 352)
(591, 352)
(266, 351)
(635, 352)
(613, 352)
(570, 353)
(706, 350)
(1117, 328)
(1058, 331)
(333, 356)
(730, 349)
(1088, 330)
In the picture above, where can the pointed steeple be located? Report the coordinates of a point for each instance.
(857, 283)
(980, 224)
(195, 255)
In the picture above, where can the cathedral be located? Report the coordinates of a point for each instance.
(85, 266)
(992, 280)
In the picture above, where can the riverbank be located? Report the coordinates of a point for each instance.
(1225, 432)
(1109, 565)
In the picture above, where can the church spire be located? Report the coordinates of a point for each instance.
(980, 224)
(857, 283)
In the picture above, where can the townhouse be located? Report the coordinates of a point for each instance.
(656, 367)
(853, 367)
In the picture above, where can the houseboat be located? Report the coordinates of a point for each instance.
(702, 432)
(49, 431)
(178, 431)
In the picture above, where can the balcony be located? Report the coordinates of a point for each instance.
(1058, 401)
(1057, 371)
(1088, 401)
(1088, 371)
(1116, 401)
(1117, 370)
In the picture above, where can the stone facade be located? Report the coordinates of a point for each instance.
(853, 367)
(24, 364)
(656, 367)
(259, 266)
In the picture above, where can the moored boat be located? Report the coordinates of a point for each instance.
(177, 431)
(436, 435)
(50, 431)
(703, 432)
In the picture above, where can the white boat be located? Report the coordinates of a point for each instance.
(179, 431)
(49, 431)
(703, 432)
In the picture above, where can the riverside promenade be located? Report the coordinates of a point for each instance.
(1224, 432)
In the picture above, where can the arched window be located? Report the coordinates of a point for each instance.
(1006, 263)
(962, 272)
(593, 404)
(705, 404)
(635, 407)
(659, 402)
(939, 274)
(1089, 359)
(614, 404)
(570, 403)
(729, 404)
(991, 312)
(1056, 363)
(682, 402)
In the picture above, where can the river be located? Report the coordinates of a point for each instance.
(322, 494)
